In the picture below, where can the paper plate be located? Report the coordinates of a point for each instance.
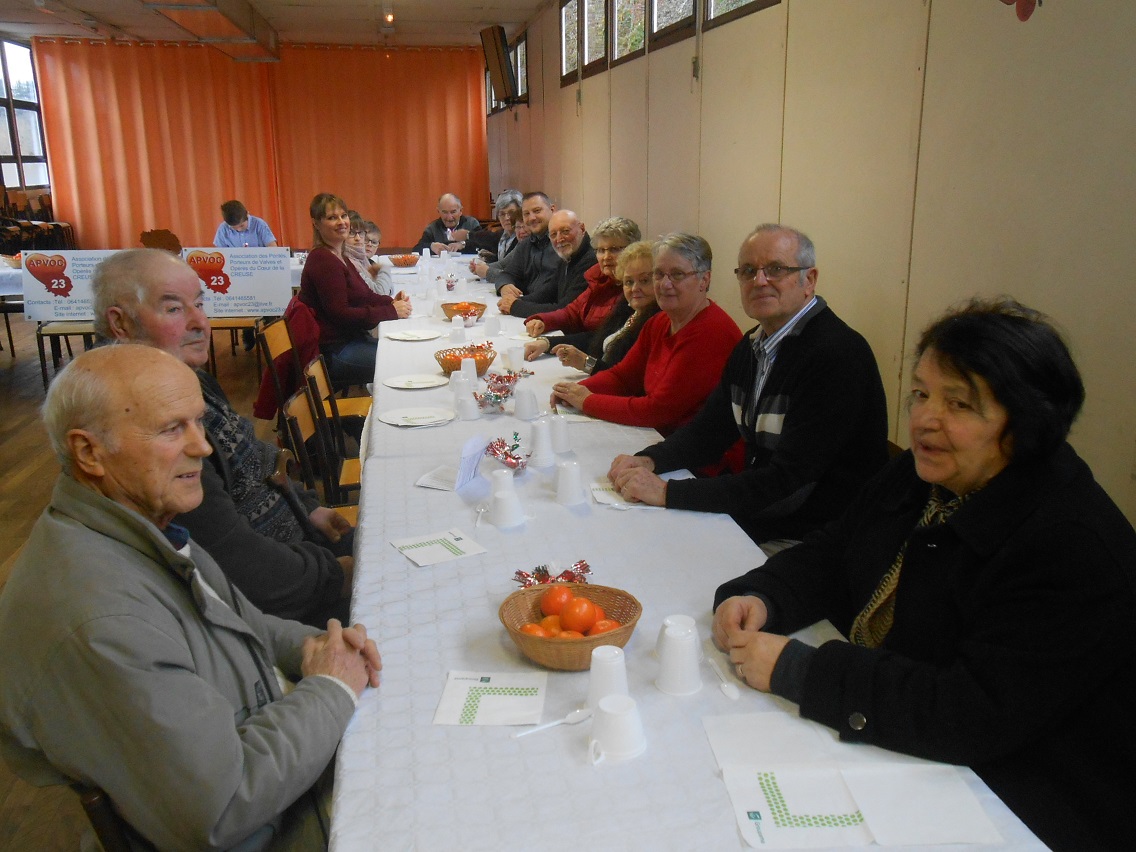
(413, 334)
(417, 416)
(413, 381)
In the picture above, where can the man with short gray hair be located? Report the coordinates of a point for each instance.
(132, 664)
(801, 389)
(570, 241)
(287, 553)
(450, 231)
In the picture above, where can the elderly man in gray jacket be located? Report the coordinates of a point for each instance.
(150, 675)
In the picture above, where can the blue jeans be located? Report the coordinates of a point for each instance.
(353, 362)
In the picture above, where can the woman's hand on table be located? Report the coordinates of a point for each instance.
(572, 393)
(639, 485)
(625, 462)
(535, 348)
(570, 356)
(534, 327)
(479, 267)
(737, 631)
(402, 305)
(505, 303)
(343, 653)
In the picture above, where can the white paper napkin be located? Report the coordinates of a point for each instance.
(492, 698)
(431, 549)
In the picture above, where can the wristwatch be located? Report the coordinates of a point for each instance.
(589, 364)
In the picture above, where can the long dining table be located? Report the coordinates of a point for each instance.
(404, 782)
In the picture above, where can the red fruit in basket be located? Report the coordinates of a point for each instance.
(534, 630)
(578, 614)
(553, 600)
(603, 625)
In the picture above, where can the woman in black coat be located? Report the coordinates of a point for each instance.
(987, 583)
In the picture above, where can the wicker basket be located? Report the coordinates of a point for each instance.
(450, 359)
(568, 655)
(452, 309)
(404, 259)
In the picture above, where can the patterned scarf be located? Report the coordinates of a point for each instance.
(874, 622)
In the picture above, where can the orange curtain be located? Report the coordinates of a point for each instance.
(387, 130)
(143, 136)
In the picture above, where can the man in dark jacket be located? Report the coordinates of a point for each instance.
(287, 553)
(533, 262)
(802, 390)
(569, 239)
(450, 230)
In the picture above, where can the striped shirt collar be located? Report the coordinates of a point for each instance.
(768, 345)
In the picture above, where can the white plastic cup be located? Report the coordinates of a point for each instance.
(502, 482)
(516, 358)
(608, 674)
(469, 371)
(569, 483)
(560, 442)
(542, 455)
(617, 730)
(679, 658)
(426, 252)
(684, 621)
(457, 330)
(468, 409)
(505, 509)
(524, 404)
(492, 326)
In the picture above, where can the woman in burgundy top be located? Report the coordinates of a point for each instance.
(680, 353)
(345, 307)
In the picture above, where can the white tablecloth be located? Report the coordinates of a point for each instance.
(404, 783)
(11, 280)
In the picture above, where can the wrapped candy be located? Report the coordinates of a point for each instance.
(541, 575)
(509, 454)
(499, 387)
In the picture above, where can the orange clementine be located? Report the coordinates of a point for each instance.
(600, 614)
(570, 634)
(578, 614)
(553, 600)
(534, 630)
(603, 625)
(551, 624)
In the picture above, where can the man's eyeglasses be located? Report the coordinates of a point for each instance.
(675, 276)
(771, 271)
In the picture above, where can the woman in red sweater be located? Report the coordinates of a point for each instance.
(679, 356)
(345, 307)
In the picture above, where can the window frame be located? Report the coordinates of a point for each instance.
(672, 33)
(569, 78)
(492, 104)
(11, 104)
(614, 60)
(749, 8)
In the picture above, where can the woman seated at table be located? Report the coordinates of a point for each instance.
(607, 345)
(679, 356)
(344, 305)
(590, 310)
(987, 584)
(491, 245)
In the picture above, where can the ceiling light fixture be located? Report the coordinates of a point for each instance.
(231, 26)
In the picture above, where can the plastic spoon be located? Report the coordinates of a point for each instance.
(571, 719)
(728, 687)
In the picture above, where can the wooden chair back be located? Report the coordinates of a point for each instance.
(275, 341)
(303, 434)
(327, 406)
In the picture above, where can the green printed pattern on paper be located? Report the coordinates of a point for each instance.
(476, 693)
(444, 542)
(784, 818)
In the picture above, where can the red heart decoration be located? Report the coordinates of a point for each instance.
(51, 272)
(210, 268)
(1025, 9)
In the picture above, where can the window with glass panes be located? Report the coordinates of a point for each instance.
(569, 41)
(23, 160)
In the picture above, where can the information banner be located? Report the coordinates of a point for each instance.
(243, 282)
(57, 284)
